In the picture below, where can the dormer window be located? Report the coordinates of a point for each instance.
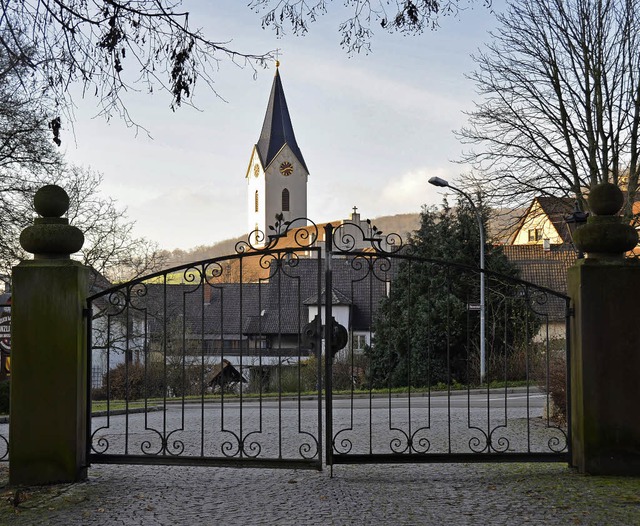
(535, 235)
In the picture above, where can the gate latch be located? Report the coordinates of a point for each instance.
(313, 329)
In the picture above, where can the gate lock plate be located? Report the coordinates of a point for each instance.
(339, 334)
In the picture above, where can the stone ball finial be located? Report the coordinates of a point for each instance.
(51, 236)
(605, 199)
(51, 201)
(605, 236)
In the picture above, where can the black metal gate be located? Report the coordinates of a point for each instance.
(226, 361)
(208, 363)
(417, 384)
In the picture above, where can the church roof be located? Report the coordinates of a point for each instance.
(277, 129)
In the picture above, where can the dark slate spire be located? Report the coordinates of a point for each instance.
(277, 129)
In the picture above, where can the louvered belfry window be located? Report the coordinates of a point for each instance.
(285, 200)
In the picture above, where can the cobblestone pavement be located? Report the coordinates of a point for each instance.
(452, 494)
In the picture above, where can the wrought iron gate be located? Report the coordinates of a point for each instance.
(206, 363)
(408, 388)
(226, 361)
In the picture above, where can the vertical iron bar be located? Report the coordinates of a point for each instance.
(483, 357)
(318, 352)
(108, 351)
(328, 381)
(469, 423)
(126, 368)
(506, 392)
(222, 334)
(371, 284)
(89, 369)
(448, 318)
(527, 369)
(429, 346)
(280, 309)
(547, 371)
(568, 396)
(240, 323)
(409, 355)
(164, 362)
(202, 352)
(184, 357)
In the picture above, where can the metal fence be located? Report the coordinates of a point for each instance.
(207, 363)
(427, 387)
(246, 359)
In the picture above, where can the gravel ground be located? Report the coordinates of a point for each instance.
(452, 494)
(430, 494)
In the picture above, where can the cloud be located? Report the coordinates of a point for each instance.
(186, 217)
(399, 94)
(412, 190)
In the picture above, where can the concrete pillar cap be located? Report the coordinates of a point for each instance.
(605, 236)
(51, 236)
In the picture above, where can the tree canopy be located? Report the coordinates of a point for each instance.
(426, 331)
(560, 102)
(29, 160)
(109, 47)
(408, 17)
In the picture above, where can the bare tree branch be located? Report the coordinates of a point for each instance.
(408, 17)
(110, 47)
(560, 102)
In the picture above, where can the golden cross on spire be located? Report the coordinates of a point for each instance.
(277, 53)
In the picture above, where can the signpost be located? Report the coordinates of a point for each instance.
(5, 342)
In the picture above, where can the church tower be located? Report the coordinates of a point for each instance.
(277, 174)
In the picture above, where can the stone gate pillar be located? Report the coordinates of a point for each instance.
(47, 433)
(605, 331)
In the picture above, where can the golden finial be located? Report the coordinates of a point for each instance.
(277, 63)
(277, 54)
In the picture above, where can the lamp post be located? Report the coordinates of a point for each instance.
(437, 181)
(573, 221)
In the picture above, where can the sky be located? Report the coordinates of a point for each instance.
(372, 128)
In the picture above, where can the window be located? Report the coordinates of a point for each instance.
(256, 201)
(535, 234)
(285, 200)
(97, 377)
(359, 343)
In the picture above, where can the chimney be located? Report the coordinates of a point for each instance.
(355, 217)
(546, 245)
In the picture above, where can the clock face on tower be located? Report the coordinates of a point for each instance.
(286, 168)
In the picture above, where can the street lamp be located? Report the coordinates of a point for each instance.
(573, 221)
(437, 181)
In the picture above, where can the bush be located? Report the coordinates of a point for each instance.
(4, 397)
(133, 382)
(558, 386)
